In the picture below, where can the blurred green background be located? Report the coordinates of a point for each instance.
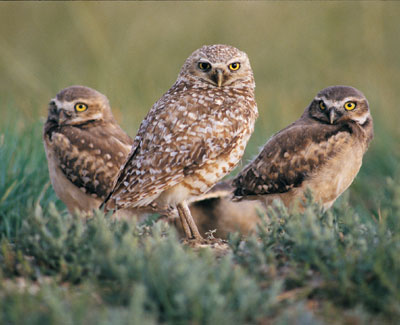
(132, 52)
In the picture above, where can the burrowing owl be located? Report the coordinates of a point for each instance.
(322, 150)
(84, 146)
(193, 136)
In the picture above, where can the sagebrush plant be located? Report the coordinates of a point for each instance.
(51, 303)
(334, 255)
(118, 256)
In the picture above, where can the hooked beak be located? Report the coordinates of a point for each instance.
(219, 77)
(332, 116)
(63, 116)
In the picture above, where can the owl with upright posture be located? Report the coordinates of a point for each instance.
(84, 146)
(322, 151)
(195, 134)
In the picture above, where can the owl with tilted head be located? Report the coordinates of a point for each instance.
(321, 151)
(85, 147)
(194, 135)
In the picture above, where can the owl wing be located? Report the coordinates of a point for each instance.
(89, 158)
(174, 140)
(290, 157)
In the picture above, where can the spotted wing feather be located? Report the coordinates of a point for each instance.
(90, 160)
(290, 157)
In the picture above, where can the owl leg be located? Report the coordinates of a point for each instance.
(188, 223)
(186, 227)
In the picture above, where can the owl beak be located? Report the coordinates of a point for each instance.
(332, 116)
(219, 77)
(63, 116)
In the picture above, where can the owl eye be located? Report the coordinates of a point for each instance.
(80, 107)
(322, 105)
(205, 66)
(350, 106)
(234, 66)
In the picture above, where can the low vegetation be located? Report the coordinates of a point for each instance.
(338, 266)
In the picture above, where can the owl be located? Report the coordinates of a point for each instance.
(192, 136)
(322, 151)
(85, 147)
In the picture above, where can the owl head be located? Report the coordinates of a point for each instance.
(338, 104)
(78, 105)
(218, 65)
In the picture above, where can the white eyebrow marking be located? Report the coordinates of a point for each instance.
(69, 106)
(331, 102)
(57, 102)
(327, 102)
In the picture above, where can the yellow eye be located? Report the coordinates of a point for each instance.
(322, 105)
(350, 106)
(80, 107)
(205, 66)
(234, 66)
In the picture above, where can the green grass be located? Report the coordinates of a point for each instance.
(336, 267)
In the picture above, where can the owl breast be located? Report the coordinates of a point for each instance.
(340, 170)
(204, 178)
(216, 169)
